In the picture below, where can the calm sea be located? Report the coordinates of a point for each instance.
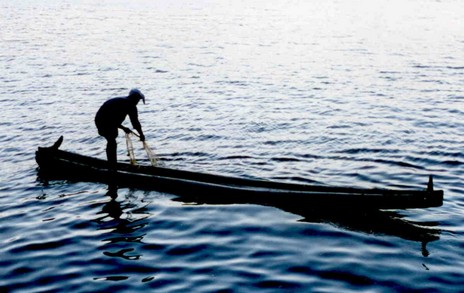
(345, 93)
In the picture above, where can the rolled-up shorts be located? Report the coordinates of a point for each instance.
(107, 132)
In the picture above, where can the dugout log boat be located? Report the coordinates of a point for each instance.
(56, 164)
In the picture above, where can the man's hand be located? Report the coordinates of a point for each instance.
(126, 130)
(142, 137)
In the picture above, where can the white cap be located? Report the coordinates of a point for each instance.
(137, 93)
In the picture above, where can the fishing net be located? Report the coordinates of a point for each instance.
(130, 149)
(150, 154)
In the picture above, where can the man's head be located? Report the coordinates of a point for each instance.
(136, 96)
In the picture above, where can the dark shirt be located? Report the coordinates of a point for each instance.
(113, 112)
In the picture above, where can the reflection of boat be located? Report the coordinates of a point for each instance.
(58, 164)
(375, 222)
(368, 221)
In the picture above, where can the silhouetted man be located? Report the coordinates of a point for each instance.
(110, 117)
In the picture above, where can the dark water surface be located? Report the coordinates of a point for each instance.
(350, 93)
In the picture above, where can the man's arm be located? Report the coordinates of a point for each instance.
(133, 115)
(126, 130)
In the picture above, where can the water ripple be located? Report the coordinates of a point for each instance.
(329, 92)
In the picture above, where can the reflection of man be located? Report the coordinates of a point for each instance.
(110, 117)
(112, 208)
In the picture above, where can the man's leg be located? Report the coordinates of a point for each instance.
(111, 152)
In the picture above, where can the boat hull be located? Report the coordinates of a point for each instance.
(200, 187)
